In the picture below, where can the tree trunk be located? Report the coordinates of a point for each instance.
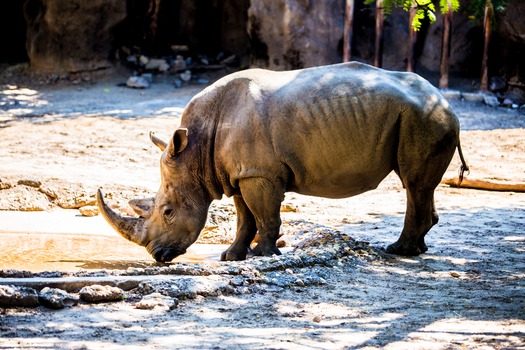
(487, 31)
(411, 62)
(445, 48)
(349, 18)
(378, 59)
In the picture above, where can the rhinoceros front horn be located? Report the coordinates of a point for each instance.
(128, 227)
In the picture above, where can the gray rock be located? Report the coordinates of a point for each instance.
(12, 296)
(4, 185)
(473, 96)
(451, 94)
(156, 300)
(491, 101)
(97, 293)
(497, 84)
(507, 102)
(179, 63)
(155, 64)
(148, 77)
(55, 298)
(88, 210)
(177, 83)
(137, 82)
(186, 76)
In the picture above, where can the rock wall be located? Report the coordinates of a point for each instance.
(290, 34)
(72, 35)
(77, 35)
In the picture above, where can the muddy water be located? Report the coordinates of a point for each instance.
(37, 252)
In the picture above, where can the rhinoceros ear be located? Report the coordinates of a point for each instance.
(143, 207)
(179, 141)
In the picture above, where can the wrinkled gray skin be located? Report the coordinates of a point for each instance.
(333, 131)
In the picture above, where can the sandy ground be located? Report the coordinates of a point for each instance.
(466, 292)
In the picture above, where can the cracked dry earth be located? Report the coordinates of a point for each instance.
(466, 292)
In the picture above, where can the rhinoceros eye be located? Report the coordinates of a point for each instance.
(167, 212)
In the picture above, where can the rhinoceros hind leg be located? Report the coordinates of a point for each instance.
(435, 218)
(246, 230)
(419, 219)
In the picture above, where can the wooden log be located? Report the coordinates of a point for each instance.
(488, 185)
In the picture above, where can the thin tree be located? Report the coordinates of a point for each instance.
(418, 11)
(347, 35)
(378, 57)
(447, 9)
(485, 10)
(411, 61)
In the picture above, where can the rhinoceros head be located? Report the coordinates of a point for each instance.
(171, 221)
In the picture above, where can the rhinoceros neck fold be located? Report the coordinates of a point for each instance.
(128, 227)
(202, 134)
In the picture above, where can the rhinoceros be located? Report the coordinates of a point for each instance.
(333, 131)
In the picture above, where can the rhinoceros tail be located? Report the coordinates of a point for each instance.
(464, 167)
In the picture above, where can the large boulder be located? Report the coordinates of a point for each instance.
(291, 34)
(72, 35)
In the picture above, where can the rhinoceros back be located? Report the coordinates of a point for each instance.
(330, 131)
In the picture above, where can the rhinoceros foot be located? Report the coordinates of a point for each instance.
(265, 250)
(403, 248)
(232, 255)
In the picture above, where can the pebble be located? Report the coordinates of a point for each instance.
(473, 96)
(186, 76)
(143, 59)
(30, 182)
(318, 318)
(55, 298)
(97, 293)
(156, 300)
(288, 208)
(148, 77)
(177, 83)
(88, 210)
(178, 63)
(507, 102)
(491, 101)
(137, 82)
(12, 296)
(4, 185)
(156, 64)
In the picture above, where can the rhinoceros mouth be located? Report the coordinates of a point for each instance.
(164, 255)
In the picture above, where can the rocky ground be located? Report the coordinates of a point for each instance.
(333, 288)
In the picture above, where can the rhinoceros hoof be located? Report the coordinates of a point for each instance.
(403, 249)
(422, 247)
(232, 256)
(260, 250)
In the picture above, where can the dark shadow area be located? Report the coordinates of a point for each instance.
(12, 32)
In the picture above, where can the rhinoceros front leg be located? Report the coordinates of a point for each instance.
(263, 198)
(246, 230)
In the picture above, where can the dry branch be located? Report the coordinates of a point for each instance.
(486, 185)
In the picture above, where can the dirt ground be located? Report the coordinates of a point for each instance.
(466, 292)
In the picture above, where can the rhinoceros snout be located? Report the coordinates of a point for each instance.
(164, 255)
